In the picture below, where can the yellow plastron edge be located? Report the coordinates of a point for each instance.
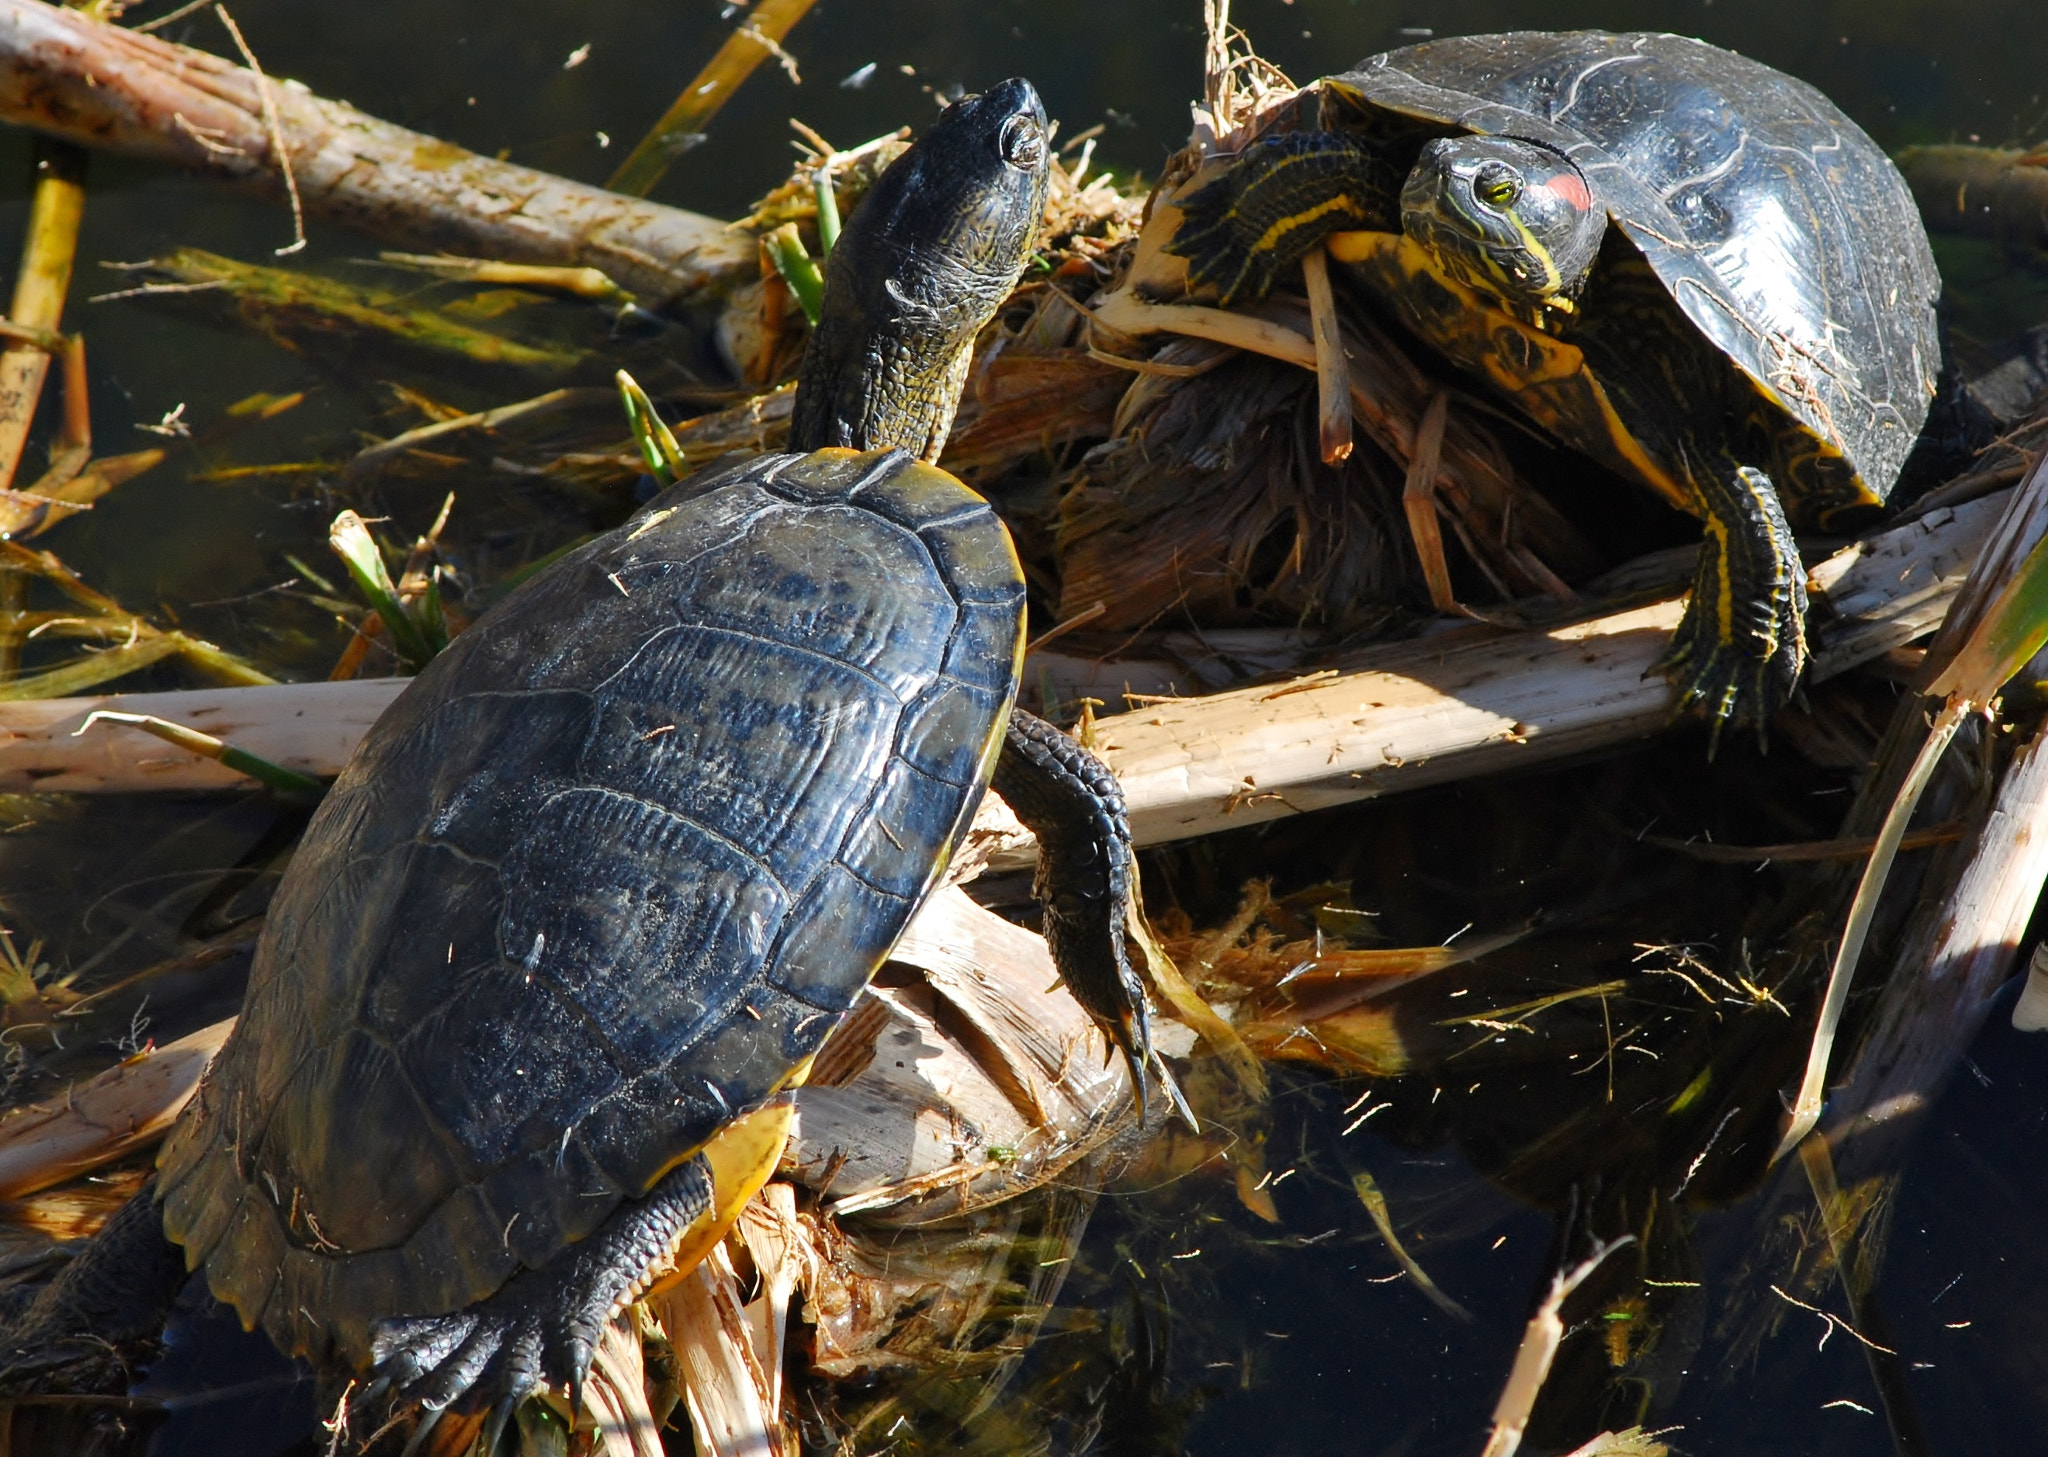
(741, 1158)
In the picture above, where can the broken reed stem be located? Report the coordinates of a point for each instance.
(1538, 1349)
(39, 290)
(753, 41)
(1418, 503)
(1333, 374)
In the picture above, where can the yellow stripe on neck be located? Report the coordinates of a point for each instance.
(1270, 239)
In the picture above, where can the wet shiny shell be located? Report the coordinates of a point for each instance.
(605, 873)
(1783, 232)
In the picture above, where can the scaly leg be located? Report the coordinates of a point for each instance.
(542, 1326)
(1741, 645)
(1068, 798)
(1243, 231)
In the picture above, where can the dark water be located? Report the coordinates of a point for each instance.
(1268, 1340)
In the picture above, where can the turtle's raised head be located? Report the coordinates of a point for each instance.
(924, 261)
(1511, 218)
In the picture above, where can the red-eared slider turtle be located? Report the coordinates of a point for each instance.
(1754, 335)
(597, 886)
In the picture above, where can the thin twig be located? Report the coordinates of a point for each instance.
(278, 149)
(176, 15)
(1833, 1323)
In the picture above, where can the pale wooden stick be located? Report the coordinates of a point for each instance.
(1463, 704)
(125, 1108)
(1333, 375)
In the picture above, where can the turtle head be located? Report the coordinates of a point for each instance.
(970, 194)
(924, 262)
(1510, 218)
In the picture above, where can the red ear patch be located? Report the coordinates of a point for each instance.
(1572, 188)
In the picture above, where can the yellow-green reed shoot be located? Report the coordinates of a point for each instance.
(416, 633)
(793, 261)
(264, 771)
(657, 443)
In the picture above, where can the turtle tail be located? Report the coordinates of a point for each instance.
(116, 1291)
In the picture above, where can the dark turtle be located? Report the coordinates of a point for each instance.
(596, 887)
(1758, 326)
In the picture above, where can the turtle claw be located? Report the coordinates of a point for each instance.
(417, 1442)
(541, 1327)
(1725, 686)
(489, 1350)
(494, 1426)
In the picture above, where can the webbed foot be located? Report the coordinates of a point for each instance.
(1740, 647)
(542, 1327)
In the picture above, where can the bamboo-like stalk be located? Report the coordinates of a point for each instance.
(101, 86)
(757, 37)
(40, 287)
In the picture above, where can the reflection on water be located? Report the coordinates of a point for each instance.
(1186, 1313)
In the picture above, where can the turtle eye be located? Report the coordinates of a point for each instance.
(1023, 142)
(1497, 185)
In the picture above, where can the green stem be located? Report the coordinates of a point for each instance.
(793, 261)
(657, 443)
(828, 210)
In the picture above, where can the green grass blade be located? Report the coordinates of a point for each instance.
(2013, 629)
(793, 261)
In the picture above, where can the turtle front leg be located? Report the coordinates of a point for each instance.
(1068, 798)
(1741, 645)
(1283, 195)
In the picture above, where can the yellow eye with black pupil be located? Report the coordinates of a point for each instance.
(1499, 192)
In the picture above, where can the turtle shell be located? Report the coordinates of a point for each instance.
(1780, 229)
(601, 878)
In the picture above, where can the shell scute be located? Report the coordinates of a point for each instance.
(311, 1157)
(503, 1066)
